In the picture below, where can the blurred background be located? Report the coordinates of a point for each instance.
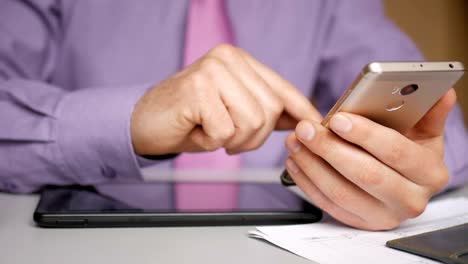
(440, 29)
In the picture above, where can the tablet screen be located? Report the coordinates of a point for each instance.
(171, 197)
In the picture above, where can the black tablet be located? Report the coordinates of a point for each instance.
(170, 203)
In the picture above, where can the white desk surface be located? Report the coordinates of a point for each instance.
(22, 242)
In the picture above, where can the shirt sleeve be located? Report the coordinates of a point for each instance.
(358, 33)
(49, 135)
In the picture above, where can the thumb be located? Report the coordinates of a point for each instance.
(433, 122)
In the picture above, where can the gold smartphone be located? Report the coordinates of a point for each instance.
(395, 94)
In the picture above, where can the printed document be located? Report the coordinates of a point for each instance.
(332, 242)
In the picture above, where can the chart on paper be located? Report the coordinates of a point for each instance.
(331, 242)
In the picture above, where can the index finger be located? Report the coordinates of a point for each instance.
(295, 103)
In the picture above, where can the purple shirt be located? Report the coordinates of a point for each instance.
(71, 73)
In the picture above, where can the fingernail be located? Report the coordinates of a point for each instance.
(291, 166)
(293, 145)
(305, 131)
(340, 123)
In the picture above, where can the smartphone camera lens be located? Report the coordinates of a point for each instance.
(409, 89)
(451, 65)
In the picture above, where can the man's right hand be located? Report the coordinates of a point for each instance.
(226, 99)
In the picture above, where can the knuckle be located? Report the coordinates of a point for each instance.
(415, 207)
(212, 144)
(440, 179)
(339, 195)
(195, 80)
(256, 122)
(226, 133)
(224, 51)
(370, 174)
(210, 64)
(234, 144)
(395, 154)
(276, 107)
(222, 135)
(210, 147)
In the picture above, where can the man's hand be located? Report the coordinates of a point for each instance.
(226, 99)
(366, 175)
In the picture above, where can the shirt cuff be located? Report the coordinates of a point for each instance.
(94, 135)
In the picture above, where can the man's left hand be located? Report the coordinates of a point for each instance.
(367, 175)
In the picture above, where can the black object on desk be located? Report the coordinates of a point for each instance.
(154, 204)
(449, 245)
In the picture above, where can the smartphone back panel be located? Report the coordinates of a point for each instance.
(398, 94)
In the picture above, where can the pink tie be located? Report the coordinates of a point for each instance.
(207, 26)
